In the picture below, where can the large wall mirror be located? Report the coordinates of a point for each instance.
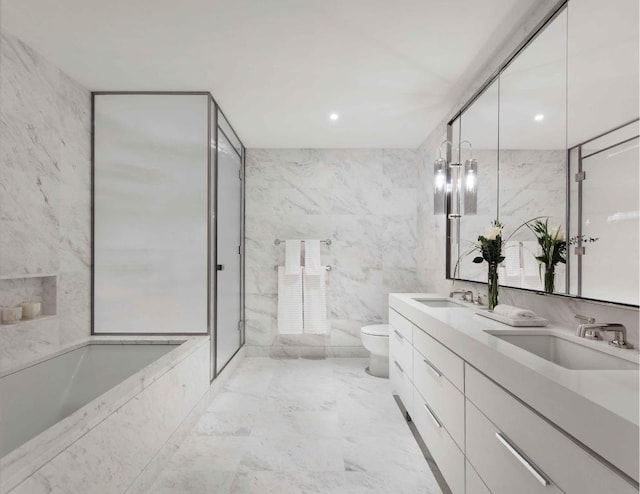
(555, 136)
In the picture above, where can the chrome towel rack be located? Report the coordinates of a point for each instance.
(327, 267)
(277, 241)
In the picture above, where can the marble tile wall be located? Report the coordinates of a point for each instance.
(431, 239)
(365, 202)
(45, 205)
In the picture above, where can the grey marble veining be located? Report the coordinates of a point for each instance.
(45, 209)
(364, 200)
(306, 426)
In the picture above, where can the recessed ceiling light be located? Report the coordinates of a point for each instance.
(539, 117)
(334, 116)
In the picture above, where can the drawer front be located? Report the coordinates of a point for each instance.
(444, 398)
(475, 485)
(442, 447)
(400, 324)
(402, 350)
(567, 464)
(400, 383)
(500, 462)
(440, 357)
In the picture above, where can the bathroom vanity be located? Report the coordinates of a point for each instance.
(508, 410)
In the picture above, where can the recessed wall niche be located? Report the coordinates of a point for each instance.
(33, 288)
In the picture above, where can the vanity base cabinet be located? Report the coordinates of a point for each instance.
(514, 449)
(446, 401)
(401, 359)
(400, 382)
(504, 469)
(475, 485)
(445, 452)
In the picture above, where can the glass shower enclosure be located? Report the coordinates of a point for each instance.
(168, 219)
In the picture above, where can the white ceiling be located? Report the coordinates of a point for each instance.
(392, 70)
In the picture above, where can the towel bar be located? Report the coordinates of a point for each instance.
(328, 267)
(277, 241)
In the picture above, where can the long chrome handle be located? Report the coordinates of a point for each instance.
(398, 366)
(432, 416)
(398, 334)
(432, 368)
(533, 470)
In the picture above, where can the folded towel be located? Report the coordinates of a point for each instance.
(514, 312)
(312, 257)
(292, 257)
(289, 302)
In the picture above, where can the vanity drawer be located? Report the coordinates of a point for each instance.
(504, 469)
(400, 325)
(402, 351)
(564, 462)
(442, 447)
(440, 357)
(444, 398)
(400, 382)
(475, 485)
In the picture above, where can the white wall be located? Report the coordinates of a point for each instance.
(365, 202)
(45, 206)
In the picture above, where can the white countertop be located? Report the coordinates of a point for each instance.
(600, 408)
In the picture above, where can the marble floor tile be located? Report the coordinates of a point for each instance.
(288, 483)
(193, 481)
(227, 423)
(293, 454)
(300, 426)
(212, 453)
(302, 423)
(376, 453)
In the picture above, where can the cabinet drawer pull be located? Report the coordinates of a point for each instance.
(433, 368)
(398, 334)
(398, 366)
(533, 470)
(432, 416)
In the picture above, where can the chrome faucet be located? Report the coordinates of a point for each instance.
(590, 329)
(464, 293)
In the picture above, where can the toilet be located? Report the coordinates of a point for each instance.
(375, 338)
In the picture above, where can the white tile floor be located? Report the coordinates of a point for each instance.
(296, 427)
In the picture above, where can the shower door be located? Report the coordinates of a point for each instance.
(228, 248)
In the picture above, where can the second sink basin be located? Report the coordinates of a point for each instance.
(439, 303)
(565, 352)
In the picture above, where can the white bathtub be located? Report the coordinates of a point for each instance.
(89, 419)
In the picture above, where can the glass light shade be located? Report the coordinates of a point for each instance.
(439, 185)
(470, 186)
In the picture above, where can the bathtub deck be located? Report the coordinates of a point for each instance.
(294, 426)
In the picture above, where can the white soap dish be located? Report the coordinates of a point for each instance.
(537, 322)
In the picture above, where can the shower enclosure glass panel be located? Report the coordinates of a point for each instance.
(151, 213)
(229, 248)
(610, 214)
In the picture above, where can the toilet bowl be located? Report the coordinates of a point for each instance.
(375, 338)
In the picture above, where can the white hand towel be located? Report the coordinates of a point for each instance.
(315, 301)
(512, 261)
(312, 257)
(514, 312)
(289, 302)
(531, 264)
(292, 257)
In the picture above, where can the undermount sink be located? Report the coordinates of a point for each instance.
(565, 352)
(439, 303)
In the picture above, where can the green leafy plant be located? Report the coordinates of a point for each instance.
(553, 246)
(490, 244)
